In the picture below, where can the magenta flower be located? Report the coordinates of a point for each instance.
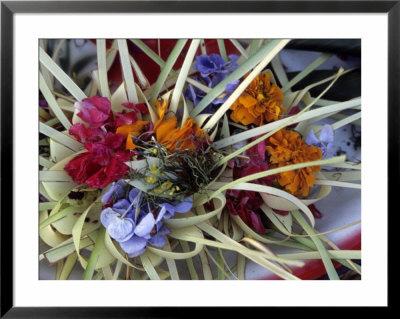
(94, 110)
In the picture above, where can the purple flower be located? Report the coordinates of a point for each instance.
(116, 191)
(122, 220)
(118, 227)
(324, 142)
(168, 210)
(133, 222)
(149, 230)
(213, 63)
(213, 70)
(196, 95)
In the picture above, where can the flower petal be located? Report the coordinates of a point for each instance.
(122, 204)
(145, 226)
(133, 194)
(256, 222)
(121, 229)
(134, 246)
(169, 210)
(184, 206)
(326, 135)
(157, 240)
(230, 87)
(311, 139)
(115, 192)
(161, 214)
(108, 216)
(94, 110)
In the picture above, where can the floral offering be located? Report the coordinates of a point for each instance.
(218, 162)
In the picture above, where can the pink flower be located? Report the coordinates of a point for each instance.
(255, 164)
(86, 169)
(115, 170)
(94, 110)
(139, 107)
(128, 118)
(245, 204)
(104, 150)
(84, 134)
(81, 168)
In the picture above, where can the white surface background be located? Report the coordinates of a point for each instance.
(371, 290)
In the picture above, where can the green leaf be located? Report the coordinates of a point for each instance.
(102, 68)
(166, 69)
(60, 137)
(68, 267)
(127, 71)
(222, 50)
(77, 231)
(180, 82)
(330, 269)
(64, 250)
(95, 255)
(62, 213)
(148, 266)
(150, 53)
(50, 99)
(45, 162)
(239, 48)
(61, 76)
(189, 261)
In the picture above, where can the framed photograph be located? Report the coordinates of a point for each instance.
(197, 149)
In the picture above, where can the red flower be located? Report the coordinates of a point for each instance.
(245, 204)
(81, 168)
(84, 134)
(85, 169)
(105, 160)
(104, 150)
(139, 107)
(255, 164)
(115, 170)
(94, 110)
(128, 118)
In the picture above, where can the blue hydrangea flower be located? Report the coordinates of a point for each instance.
(133, 223)
(325, 140)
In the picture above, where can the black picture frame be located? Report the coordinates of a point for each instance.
(9, 8)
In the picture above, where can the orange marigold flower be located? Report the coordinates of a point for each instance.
(260, 101)
(130, 130)
(174, 138)
(286, 147)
